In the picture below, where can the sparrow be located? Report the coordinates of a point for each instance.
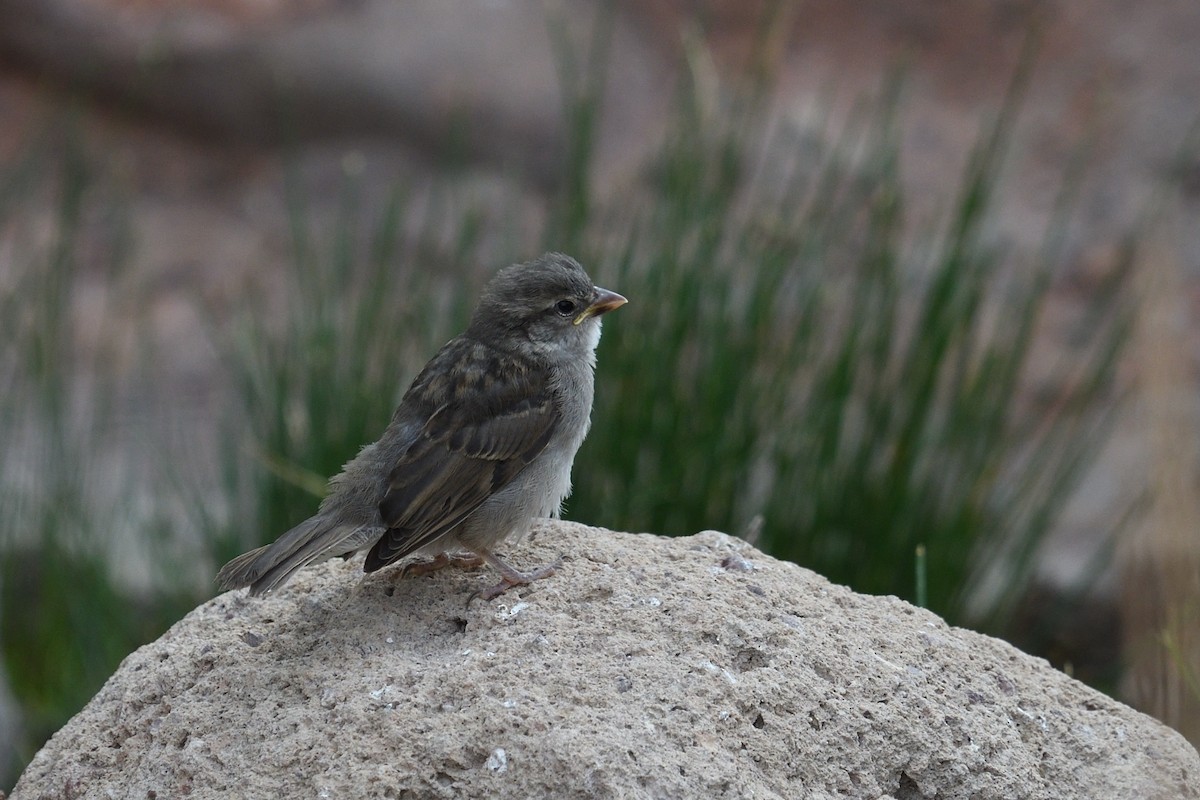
(480, 446)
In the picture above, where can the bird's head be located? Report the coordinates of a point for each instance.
(548, 307)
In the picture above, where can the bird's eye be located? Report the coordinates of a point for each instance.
(565, 307)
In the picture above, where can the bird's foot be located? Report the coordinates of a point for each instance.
(510, 576)
(416, 569)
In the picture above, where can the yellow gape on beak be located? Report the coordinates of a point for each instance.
(604, 302)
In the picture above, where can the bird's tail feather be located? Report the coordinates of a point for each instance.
(270, 566)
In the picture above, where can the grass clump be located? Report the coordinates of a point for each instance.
(66, 621)
(794, 361)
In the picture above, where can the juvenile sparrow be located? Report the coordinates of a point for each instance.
(480, 446)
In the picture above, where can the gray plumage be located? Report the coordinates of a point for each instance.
(481, 444)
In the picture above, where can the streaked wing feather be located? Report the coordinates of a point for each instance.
(465, 454)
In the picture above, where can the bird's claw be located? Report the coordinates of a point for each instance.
(513, 579)
(416, 569)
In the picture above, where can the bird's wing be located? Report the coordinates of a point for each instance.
(486, 427)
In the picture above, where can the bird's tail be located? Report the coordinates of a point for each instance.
(270, 566)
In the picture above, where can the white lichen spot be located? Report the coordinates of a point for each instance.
(883, 660)
(715, 670)
(497, 762)
(504, 613)
(386, 696)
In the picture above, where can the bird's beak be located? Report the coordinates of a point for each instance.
(604, 302)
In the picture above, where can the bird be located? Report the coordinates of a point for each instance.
(481, 444)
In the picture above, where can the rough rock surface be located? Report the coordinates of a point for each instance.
(647, 667)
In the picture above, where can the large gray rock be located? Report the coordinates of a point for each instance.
(647, 667)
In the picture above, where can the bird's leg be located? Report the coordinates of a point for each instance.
(510, 575)
(416, 569)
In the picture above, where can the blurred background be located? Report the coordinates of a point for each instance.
(913, 294)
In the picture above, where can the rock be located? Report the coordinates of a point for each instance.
(480, 81)
(647, 667)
